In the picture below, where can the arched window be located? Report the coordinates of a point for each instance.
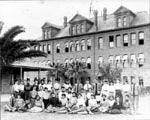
(44, 48)
(71, 46)
(82, 45)
(125, 60)
(49, 49)
(83, 60)
(66, 60)
(89, 44)
(124, 21)
(141, 59)
(118, 60)
(45, 34)
(133, 60)
(49, 63)
(66, 47)
(71, 60)
(77, 47)
(78, 29)
(88, 62)
(57, 48)
(40, 47)
(119, 22)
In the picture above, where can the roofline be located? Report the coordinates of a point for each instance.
(103, 31)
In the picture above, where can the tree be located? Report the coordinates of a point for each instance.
(16, 50)
(77, 70)
(109, 72)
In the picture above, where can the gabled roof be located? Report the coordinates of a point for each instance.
(79, 17)
(122, 9)
(48, 24)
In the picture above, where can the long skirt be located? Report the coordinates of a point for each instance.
(46, 102)
(36, 109)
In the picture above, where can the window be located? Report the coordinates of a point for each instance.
(49, 34)
(111, 60)
(141, 60)
(57, 48)
(73, 30)
(77, 47)
(78, 29)
(44, 48)
(133, 60)
(88, 62)
(100, 61)
(66, 61)
(125, 60)
(49, 49)
(45, 34)
(133, 38)
(66, 47)
(141, 38)
(125, 40)
(111, 41)
(119, 22)
(71, 47)
(83, 45)
(125, 21)
(118, 41)
(57, 61)
(82, 28)
(40, 47)
(89, 44)
(100, 43)
(117, 60)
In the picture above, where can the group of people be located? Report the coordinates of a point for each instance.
(108, 97)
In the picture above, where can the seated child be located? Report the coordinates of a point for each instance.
(127, 105)
(111, 101)
(63, 103)
(38, 105)
(20, 104)
(53, 103)
(104, 104)
(11, 105)
(92, 105)
(116, 108)
(80, 106)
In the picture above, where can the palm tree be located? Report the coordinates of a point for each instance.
(110, 73)
(77, 70)
(15, 50)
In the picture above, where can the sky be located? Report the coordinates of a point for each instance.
(32, 14)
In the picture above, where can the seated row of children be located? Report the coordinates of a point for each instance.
(68, 101)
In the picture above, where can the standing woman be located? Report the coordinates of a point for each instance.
(27, 89)
(46, 96)
(118, 89)
(15, 89)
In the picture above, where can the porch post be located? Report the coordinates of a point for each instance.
(21, 73)
(39, 72)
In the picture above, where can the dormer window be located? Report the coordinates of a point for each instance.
(78, 29)
(124, 21)
(119, 22)
(73, 30)
(82, 28)
(49, 49)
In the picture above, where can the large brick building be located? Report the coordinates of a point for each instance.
(121, 38)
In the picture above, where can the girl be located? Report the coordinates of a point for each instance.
(127, 105)
(92, 105)
(38, 105)
(104, 105)
(46, 96)
(20, 104)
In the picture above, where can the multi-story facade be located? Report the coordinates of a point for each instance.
(121, 38)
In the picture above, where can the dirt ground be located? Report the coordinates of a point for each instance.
(144, 114)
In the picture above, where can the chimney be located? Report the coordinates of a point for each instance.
(96, 19)
(65, 21)
(104, 14)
